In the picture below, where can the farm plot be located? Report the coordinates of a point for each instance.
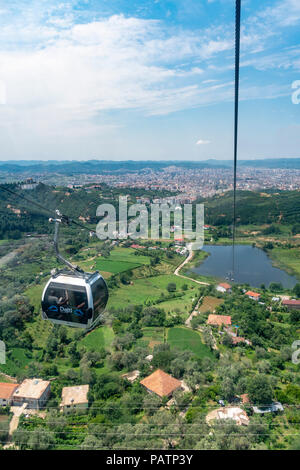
(151, 337)
(100, 338)
(119, 260)
(188, 340)
(210, 304)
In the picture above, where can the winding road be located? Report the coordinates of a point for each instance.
(187, 260)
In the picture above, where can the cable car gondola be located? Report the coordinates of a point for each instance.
(73, 297)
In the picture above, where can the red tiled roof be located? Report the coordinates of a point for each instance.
(252, 294)
(225, 285)
(238, 339)
(161, 383)
(245, 398)
(291, 302)
(6, 390)
(219, 320)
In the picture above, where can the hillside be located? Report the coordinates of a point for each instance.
(254, 208)
(17, 216)
(98, 166)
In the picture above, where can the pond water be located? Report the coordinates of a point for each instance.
(252, 266)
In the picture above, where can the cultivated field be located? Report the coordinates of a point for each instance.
(209, 304)
(186, 339)
(151, 337)
(100, 338)
(119, 260)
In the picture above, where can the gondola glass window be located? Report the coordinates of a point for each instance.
(66, 303)
(100, 296)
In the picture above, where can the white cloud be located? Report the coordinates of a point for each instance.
(202, 142)
(115, 63)
(62, 76)
(283, 13)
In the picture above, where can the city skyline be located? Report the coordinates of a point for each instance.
(147, 81)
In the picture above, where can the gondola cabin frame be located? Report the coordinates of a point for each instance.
(75, 300)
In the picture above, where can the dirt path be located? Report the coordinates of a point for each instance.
(12, 254)
(14, 422)
(9, 257)
(187, 260)
(193, 314)
(13, 379)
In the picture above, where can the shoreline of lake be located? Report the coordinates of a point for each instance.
(256, 268)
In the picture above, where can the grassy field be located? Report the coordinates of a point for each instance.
(181, 304)
(198, 257)
(17, 360)
(152, 336)
(148, 289)
(288, 259)
(100, 338)
(115, 267)
(186, 339)
(209, 304)
(120, 260)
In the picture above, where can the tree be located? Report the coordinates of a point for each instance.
(57, 423)
(227, 340)
(162, 359)
(264, 367)
(208, 337)
(151, 404)
(228, 388)
(296, 290)
(275, 286)
(296, 229)
(171, 287)
(74, 354)
(260, 390)
(3, 431)
(196, 321)
(41, 439)
(92, 443)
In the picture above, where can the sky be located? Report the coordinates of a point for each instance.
(147, 79)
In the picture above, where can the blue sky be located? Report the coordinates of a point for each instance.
(147, 79)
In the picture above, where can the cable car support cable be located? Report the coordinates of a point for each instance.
(236, 114)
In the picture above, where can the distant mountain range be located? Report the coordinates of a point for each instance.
(69, 167)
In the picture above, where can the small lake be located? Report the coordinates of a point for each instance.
(252, 266)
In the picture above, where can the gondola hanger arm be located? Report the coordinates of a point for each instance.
(61, 219)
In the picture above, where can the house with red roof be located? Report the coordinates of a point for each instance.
(223, 287)
(253, 295)
(291, 304)
(219, 320)
(6, 393)
(161, 383)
